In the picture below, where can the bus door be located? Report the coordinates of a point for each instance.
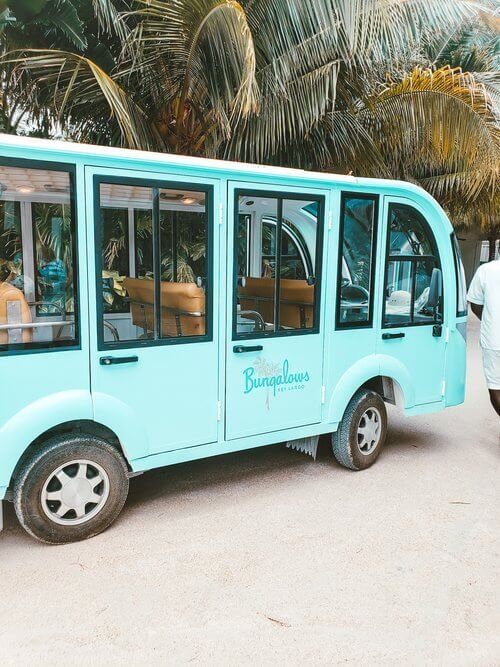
(409, 332)
(43, 324)
(274, 331)
(154, 360)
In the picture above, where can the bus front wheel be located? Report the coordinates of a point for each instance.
(361, 434)
(70, 489)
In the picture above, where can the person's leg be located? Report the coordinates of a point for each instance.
(491, 364)
(495, 399)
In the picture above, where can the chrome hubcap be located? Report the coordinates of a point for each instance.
(75, 493)
(369, 430)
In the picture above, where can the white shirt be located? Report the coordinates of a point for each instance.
(485, 291)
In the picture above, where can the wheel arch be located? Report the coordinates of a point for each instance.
(58, 413)
(384, 375)
(83, 426)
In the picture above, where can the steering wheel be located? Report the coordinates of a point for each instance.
(354, 294)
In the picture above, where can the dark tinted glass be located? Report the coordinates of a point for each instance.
(412, 255)
(358, 234)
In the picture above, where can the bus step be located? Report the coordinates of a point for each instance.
(305, 445)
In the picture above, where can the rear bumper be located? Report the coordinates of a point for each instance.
(456, 358)
(3, 491)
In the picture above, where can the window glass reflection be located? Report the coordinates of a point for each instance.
(37, 258)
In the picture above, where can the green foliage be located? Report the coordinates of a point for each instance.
(287, 82)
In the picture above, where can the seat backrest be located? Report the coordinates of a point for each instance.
(141, 293)
(14, 309)
(258, 294)
(296, 300)
(297, 304)
(187, 297)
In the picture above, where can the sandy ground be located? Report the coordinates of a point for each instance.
(267, 557)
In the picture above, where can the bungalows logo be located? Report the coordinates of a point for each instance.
(274, 378)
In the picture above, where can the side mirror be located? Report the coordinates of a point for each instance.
(435, 288)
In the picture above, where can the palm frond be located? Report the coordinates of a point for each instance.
(438, 127)
(61, 15)
(109, 18)
(209, 49)
(77, 88)
(285, 115)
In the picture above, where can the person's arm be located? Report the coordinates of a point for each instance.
(475, 295)
(476, 309)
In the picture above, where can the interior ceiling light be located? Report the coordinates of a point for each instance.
(25, 189)
(189, 200)
(171, 196)
(54, 188)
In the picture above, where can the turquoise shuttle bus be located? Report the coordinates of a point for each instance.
(157, 309)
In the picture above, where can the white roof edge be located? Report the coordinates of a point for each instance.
(97, 151)
(152, 156)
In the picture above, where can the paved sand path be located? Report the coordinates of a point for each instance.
(266, 557)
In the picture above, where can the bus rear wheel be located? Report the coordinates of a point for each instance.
(361, 434)
(70, 489)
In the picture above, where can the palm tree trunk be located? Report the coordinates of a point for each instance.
(492, 242)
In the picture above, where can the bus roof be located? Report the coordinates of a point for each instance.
(102, 153)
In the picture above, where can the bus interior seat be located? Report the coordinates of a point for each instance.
(14, 309)
(296, 301)
(182, 307)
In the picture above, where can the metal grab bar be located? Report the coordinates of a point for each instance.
(114, 330)
(49, 304)
(33, 325)
(254, 315)
(175, 311)
(270, 299)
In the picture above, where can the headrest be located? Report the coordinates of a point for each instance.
(400, 299)
(185, 296)
(291, 290)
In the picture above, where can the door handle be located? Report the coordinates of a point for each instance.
(108, 361)
(390, 336)
(239, 349)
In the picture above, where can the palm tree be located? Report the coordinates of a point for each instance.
(283, 82)
(222, 77)
(476, 48)
(33, 24)
(438, 128)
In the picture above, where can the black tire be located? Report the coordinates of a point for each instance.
(37, 474)
(346, 440)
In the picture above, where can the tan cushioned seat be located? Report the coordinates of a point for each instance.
(9, 294)
(296, 300)
(187, 297)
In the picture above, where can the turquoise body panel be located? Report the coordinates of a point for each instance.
(188, 401)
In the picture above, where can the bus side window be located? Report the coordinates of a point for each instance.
(358, 233)
(277, 258)
(154, 262)
(411, 256)
(38, 277)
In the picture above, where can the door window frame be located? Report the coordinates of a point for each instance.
(413, 259)
(76, 342)
(461, 310)
(372, 196)
(155, 184)
(280, 196)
